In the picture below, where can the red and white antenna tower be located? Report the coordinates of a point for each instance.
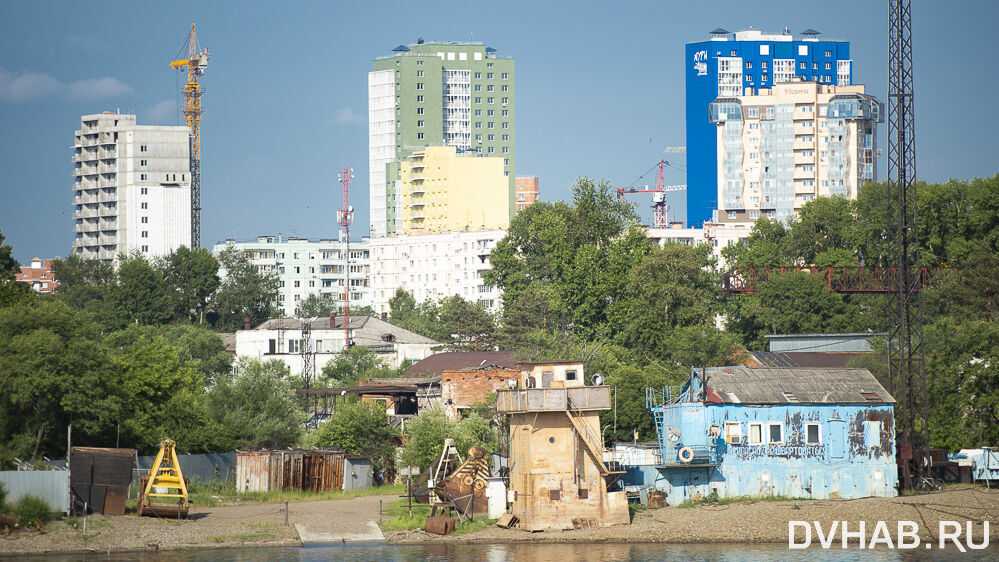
(344, 217)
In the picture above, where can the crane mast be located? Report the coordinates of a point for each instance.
(195, 63)
(345, 216)
(659, 207)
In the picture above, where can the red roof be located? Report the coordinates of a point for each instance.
(454, 360)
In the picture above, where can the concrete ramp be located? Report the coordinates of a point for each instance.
(371, 533)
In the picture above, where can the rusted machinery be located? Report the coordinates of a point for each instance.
(163, 492)
(457, 484)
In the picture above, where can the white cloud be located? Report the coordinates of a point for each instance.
(163, 113)
(347, 116)
(26, 86)
(86, 43)
(97, 88)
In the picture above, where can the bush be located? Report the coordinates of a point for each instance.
(30, 510)
(3, 497)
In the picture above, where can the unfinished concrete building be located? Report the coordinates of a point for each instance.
(558, 479)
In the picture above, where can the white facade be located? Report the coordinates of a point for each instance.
(718, 235)
(131, 187)
(283, 339)
(434, 266)
(780, 147)
(381, 143)
(306, 267)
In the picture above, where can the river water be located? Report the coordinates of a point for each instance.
(554, 552)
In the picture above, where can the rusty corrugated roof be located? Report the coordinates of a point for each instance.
(457, 360)
(765, 385)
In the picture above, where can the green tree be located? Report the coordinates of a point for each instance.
(465, 326)
(141, 295)
(245, 292)
(360, 428)
(200, 346)
(55, 372)
(191, 278)
(10, 290)
(353, 364)
(315, 306)
(823, 233)
(417, 318)
(767, 246)
(255, 408)
(431, 427)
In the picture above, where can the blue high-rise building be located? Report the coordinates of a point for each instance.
(728, 63)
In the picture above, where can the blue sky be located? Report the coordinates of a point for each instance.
(599, 92)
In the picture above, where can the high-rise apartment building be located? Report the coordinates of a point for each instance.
(436, 93)
(528, 191)
(782, 146)
(131, 187)
(443, 190)
(728, 63)
(308, 267)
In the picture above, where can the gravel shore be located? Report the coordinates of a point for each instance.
(756, 521)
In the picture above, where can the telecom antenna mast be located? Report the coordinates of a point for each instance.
(345, 216)
(195, 63)
(906, 360)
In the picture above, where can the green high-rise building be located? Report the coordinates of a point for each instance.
(435, 93)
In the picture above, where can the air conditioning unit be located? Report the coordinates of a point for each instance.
(734, 439)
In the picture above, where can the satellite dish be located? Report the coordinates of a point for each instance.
(598, 380)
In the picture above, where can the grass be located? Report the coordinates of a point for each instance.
(223, 492)
(398, 519)
(715, 500)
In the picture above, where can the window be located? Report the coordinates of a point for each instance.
(490, 125)
(294, 346)
(478, 100)
(419, 123)
(491, 150)
(570, 375)
(145, 234)
(419, 63)
(754, 215)
(142, 148)
(505, 75)
(732, 53)
(478, 138)
(478, 124)
(478, 75)
(506, 137)
(142, 162)
(815, 66)
(753, 112)
(506, 125)
(749, 64)
(491, 137)
(478, 112)
(828, 53)
(144, 191)
(802, 65)
(419, 99)
(489, 76)
(506, 101)
(764, 77)
(775, 433)
(731, 215)
(419, 111)
(490, 100)
(490, 112)
(478, 87)
(506, 150)
(144, 220)
(733, 433)
(506, 113)
(490, 88)
(763, 64)
(755, 433)
(812, 434)
(828, 66)
(771, 214)
(145, 248)
(419, 74)
(298, 284)
(419, 136)
(419, 85)
(504, 88)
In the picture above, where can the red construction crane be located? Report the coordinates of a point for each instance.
(659, 206)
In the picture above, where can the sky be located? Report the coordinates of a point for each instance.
(599, 93)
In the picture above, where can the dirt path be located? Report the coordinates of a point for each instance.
(206, 527)
(758, 522)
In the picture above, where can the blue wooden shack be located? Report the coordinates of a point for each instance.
(795, 432)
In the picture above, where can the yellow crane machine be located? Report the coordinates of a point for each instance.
(164, 491)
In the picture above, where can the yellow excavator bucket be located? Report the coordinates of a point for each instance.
(163, 492)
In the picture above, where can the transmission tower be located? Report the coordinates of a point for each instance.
(195, 63)
(906, 361)
(344, 217)
(306, 354)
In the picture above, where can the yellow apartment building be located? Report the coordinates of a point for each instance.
(443, 191)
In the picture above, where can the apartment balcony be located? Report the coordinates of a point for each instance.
(106, 255)
(106, 197)
(108, 210)
(108, 240)
(800, 174)
(417, 191)
(417, 178)
(801, 144)
(417, 204)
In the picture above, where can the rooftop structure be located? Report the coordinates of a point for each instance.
(39, 276)
(528, 191)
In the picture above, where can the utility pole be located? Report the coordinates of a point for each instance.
(345, 216)
(906, 360)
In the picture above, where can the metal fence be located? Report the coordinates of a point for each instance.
(51, 485)
(204, 467)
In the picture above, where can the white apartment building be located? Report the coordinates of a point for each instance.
(305, 267)
(719, 236)
(434, 266)
(131, 187)
(783, 146)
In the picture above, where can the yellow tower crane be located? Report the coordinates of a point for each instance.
(195, 63)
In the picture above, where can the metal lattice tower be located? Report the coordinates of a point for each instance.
(345, 216)
(195, 63)
(306, 353)
(906, 361)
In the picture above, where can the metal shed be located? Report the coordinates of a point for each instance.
(307, 470)
(99, 479)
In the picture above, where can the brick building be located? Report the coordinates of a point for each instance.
(462, 388)
(39, 276)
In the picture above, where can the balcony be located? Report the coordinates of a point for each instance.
(553, 399)
(108, 240)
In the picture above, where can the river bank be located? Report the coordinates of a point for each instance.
(757, 522)
(263, 525)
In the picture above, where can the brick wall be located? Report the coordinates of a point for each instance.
(461, 389)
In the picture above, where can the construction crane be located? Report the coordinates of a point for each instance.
(195, 63)
(659, 206)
